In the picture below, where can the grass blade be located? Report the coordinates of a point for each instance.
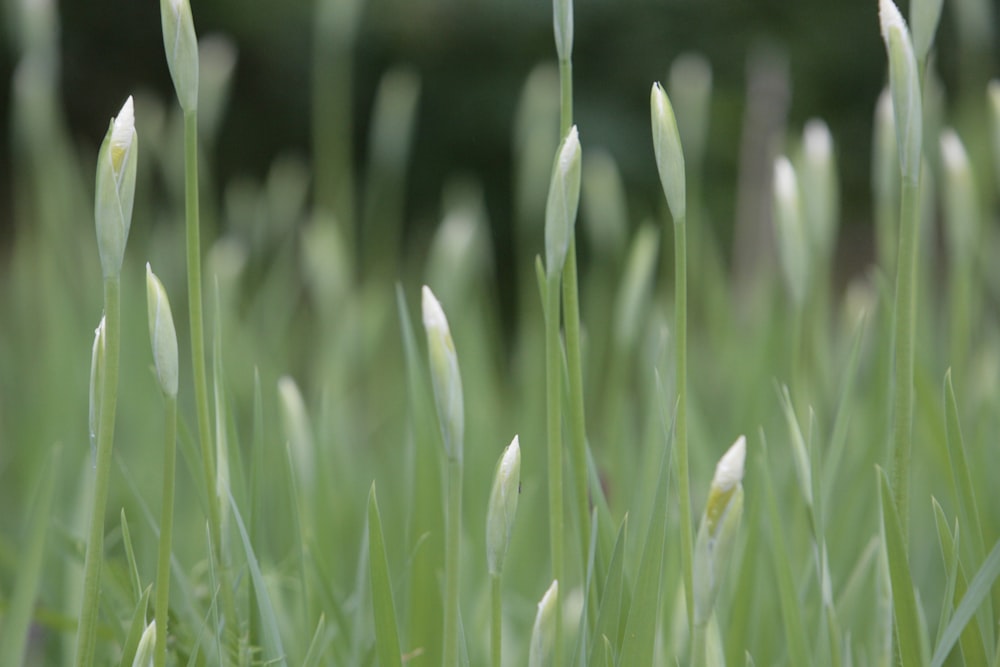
(135, 629)
(17, 616)
(904, 601)
(609, 615)
(386, 630)
(271, 639)
(640, 630)
(979, 588)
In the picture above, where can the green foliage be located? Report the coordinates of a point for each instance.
(322, 388)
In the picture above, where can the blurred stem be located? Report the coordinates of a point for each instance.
(553, 370)
(496, 628)
(166, 530)
(683, 473)
(577, 420)
(452, 562)
(198, 354)
(697, 645)
(565, 96)
(86, 635)
(903, 326)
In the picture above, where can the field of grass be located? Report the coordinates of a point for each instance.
(304, 434)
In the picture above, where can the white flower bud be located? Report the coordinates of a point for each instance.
(669, 154)
(144, 651)
(790, 230)
(905, 86)
(564, 198)
(719, 525)
(445, 376)
(502, 506)
(543, 632)
(162, 334)
(181, 47)
(115, 189)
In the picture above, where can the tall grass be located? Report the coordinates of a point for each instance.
(854, 524)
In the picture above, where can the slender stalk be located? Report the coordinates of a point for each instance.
(86, 634)
(565, 96)
(496, 627)
(166, 531)
(680, 433)
(452, 562)
(903, 326)
(577, 421)
(697, 645)
(198, 353)
(553, 371)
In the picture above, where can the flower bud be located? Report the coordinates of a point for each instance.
(543, 632)
(503, 506)
(790, 230)
(297, 431)
(564, 197)
(960, 197)
(445, 375)
(818, 174)
(669, 154)
(115, 189)
(905, 86)
(719, 524)
(924, 17)
(562, 24)
(181, 46)
(162, 334)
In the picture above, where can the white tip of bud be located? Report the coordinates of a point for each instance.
(433, 314)
(729, 469)
(817, 140)
(569, 150)
(124, 125)
(785, 184)
(952, 152)
(889, 18)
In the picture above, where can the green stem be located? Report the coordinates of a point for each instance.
(577, 421)
(565, 96)
(86, 635)
(452, 562)
(553, 372)
(166, 530)
(496, 628)
(903, 326)
(198, 354)
(697, 645)
(680, 431)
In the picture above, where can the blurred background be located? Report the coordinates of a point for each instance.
(472, 60)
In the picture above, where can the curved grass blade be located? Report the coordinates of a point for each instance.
(273, 652)
(383, 609)
(609, 615)
(317, 647)
(136, 628)
(795, 634)
(904, 601)
(978, 589)
(17, 615)
(640, 630)
(133, 569)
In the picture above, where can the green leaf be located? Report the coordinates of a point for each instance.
(17, 615)
(133, 569)
(272, 649)
(317, 647)
(640, 630)
(609, 613)
(979, 588)
(386, 629)
(135, 628)
(791, 611)
(961, 475)
(904, 602)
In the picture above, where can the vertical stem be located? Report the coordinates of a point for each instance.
(905, 309)
(198, 353)
(697, 645)
(553, 387)
(452, 563)
(680, 431)
(577, 420)
(565, 96)
(86, 634)
(166, 531)
(496, 628)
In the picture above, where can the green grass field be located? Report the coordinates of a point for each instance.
(305, 434)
